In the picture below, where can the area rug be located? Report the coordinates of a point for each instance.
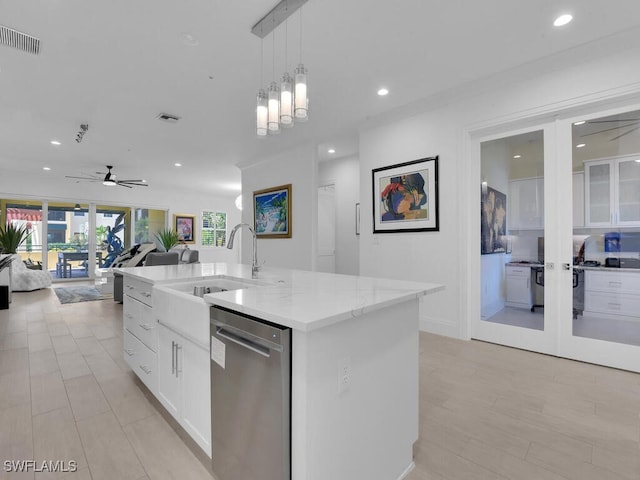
(79, 293)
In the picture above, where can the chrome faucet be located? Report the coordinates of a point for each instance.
(254, 266)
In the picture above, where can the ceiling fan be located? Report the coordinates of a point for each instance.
(110, 179)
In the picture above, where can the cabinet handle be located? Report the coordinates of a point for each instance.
(130, 287)
(615, 284)
(146, 294)
(145, 369)
(173, 357)
(129, 315)
(129, 352)
(178, 370)
(145, 326)
(614, 306)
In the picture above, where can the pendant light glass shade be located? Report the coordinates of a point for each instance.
(262, 113)
(274, 108)
(286, 101)
(300, 95)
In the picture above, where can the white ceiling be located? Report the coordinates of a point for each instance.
(115, 65)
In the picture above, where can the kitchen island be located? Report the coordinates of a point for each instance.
(359, 425)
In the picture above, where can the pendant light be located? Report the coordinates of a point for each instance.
(286, 101)
(262, 113)
(301, 98)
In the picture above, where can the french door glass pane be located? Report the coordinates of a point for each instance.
(606, 273)
(68, 240)
(27, 214)
(512, 230)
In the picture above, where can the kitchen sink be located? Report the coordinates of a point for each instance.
(211, 285)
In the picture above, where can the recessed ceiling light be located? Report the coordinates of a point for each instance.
(562, 20)
(177, 164)
(582, 122)
(383, 91)
(143, 181)
(189, 40)
(331, 150)
(580, 145)
(638, 160)
(55, 142)
(517, 156)
(46, 168)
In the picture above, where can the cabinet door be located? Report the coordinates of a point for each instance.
(196, 394)
(628, 192)
(599, 193)
(168, 378)
(526, 204)
(519, 289)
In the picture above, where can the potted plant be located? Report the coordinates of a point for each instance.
(12, 236)
(168, 238)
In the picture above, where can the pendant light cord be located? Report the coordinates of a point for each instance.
(300, 52)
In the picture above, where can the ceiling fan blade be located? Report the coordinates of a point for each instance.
(123, 185)
(133, 182)
(90, 179)
(602, 131)
(625, 133)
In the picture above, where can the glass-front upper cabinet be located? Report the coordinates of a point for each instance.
(612, 188)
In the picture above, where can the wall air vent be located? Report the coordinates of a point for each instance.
(19, 40)
(167, 117)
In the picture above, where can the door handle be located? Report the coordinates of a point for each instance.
(566, 266)
(173, 357)
(178, 347)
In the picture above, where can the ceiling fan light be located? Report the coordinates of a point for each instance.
(109, 183)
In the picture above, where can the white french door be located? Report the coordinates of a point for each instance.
(572, 188)
(517, 275)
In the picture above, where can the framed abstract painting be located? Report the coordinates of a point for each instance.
(405, 197)
(272, 212)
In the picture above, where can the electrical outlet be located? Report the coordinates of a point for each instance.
(344, 374)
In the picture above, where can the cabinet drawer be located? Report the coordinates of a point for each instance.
(613, 304)
(141, 360)
(138, 319)
(518, 271)
(614, 282)
(137, 289)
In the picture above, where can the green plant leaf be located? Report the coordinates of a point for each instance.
(12, 236)
(168, 238)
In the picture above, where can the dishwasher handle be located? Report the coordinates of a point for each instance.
(243, 342)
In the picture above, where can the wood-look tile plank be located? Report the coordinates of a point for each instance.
(64, 344)
(56, 438)
(15, 389)
(39, 341)
(16, 441)
(13, 340)
(108, 451)
(41, 362)
(72, 365)
(14, 360)
(126, 399)
(162, 452)
(48, 393)
(86, 397)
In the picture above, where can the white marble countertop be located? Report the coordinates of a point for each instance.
(297, 299)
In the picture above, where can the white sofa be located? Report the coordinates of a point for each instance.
(26, 280)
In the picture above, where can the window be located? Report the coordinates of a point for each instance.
(214, 229)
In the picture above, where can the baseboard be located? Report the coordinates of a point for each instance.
(439, 327)
(407, 471)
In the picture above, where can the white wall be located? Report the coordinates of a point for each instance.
(344, 173)
(298, 168)
(441, 127)
(18, 185)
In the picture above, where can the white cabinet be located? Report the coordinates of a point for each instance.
(140, 332)
(612, 293)
(184, 384)
(612, 192)
(525, 204)
(519, 286)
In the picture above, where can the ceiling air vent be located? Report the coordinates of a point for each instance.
(19, 40)
(167, 117)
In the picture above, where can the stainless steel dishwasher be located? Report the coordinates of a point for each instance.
(250, 398)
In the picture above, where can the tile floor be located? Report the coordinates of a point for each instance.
(486, 411)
